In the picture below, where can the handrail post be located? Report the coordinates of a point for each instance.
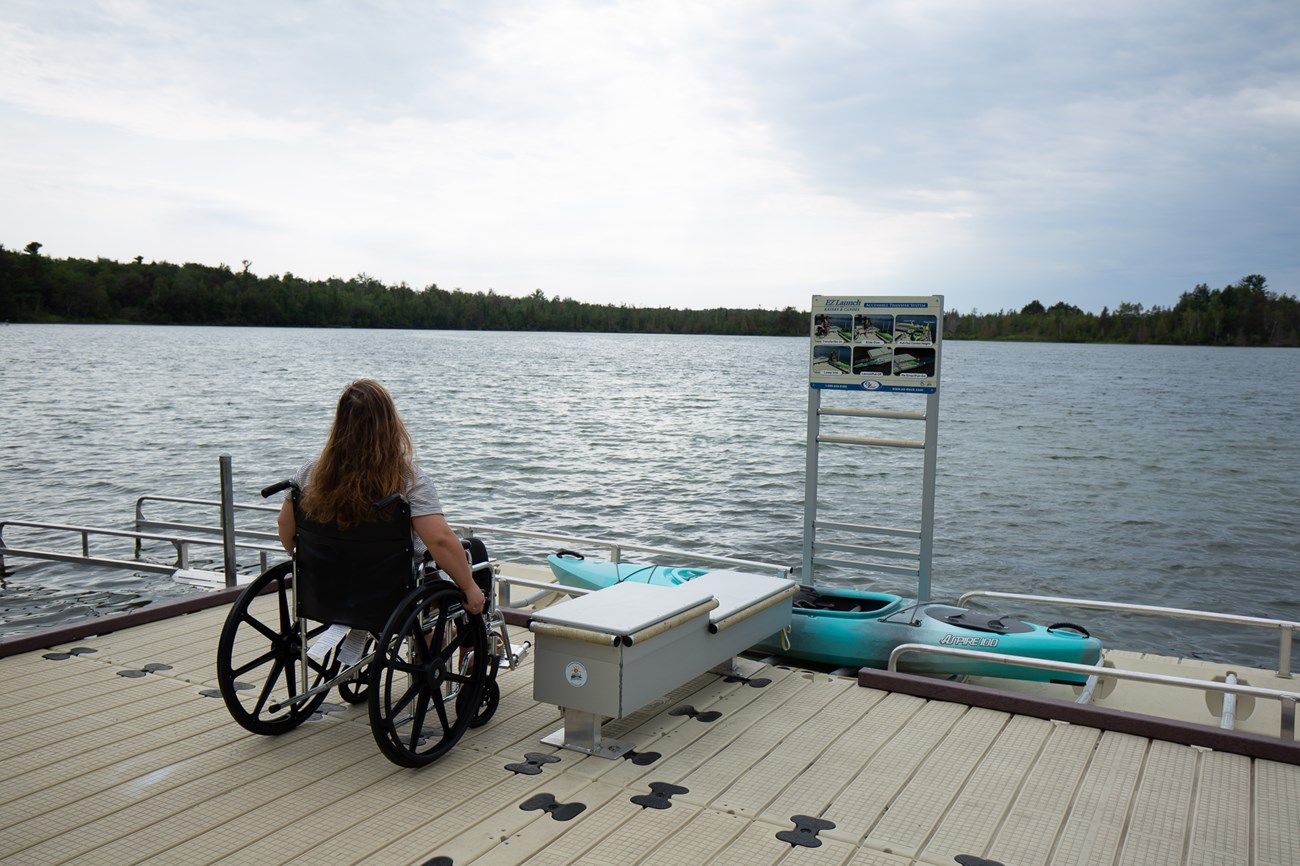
(811, 458)
(1284, 653)
(139, 519)
(1228, 721)
(503, 593)
(228, 521)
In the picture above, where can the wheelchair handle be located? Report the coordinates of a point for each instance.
(388, 500)
(268, 492)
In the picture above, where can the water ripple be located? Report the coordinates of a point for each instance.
(1161, 475)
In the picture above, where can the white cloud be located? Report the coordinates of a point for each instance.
(692, 154)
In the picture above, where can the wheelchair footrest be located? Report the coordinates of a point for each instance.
(518, 652)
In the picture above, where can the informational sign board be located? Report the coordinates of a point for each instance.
(876, 344)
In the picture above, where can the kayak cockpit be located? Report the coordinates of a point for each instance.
(848, 602)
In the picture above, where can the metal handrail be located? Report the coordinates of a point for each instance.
(182, 545)
(141, 522)
(198, 527)
(616, 549)
(1287, 699)
(544, 590)
(140, 519)
(1287, 627)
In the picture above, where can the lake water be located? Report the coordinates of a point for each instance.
(1152, 474)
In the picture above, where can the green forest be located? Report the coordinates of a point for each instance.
(38, 289)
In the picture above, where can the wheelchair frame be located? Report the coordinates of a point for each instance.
(427, 676)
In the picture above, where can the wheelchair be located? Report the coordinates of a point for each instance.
(353, 610)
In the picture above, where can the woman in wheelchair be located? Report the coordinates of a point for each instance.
(360, 521)
(369, 455)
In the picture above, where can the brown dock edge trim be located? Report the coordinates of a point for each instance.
(115, 622)
(516, 617)
(1152, 727)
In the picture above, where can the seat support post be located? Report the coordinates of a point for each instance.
(581, 732)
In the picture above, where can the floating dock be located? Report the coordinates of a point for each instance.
(117, 750)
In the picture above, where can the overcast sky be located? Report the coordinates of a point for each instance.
(691, 154)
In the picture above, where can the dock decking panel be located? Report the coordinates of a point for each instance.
(105, 769)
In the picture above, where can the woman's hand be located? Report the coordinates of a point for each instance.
(474, 600)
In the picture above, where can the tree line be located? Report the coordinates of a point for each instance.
(36, 288)
(1246, 313)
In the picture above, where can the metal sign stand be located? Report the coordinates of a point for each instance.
(858, 556)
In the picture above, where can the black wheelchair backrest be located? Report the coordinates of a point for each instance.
(355, 576)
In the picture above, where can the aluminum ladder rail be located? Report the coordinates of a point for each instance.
(812, 547)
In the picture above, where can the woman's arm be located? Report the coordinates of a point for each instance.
(446, 550)
(286, 525)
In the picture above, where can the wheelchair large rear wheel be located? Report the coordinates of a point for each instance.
(259, 657)
(427, 676)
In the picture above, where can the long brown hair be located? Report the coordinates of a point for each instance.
(368, 456)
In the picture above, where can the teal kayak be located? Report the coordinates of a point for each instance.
(845, 627)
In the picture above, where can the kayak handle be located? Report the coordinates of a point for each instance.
(1069, 625)
(569, 554)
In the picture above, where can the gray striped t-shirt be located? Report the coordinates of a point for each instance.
(420, 493)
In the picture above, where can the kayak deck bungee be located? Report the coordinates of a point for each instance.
(845, 627)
